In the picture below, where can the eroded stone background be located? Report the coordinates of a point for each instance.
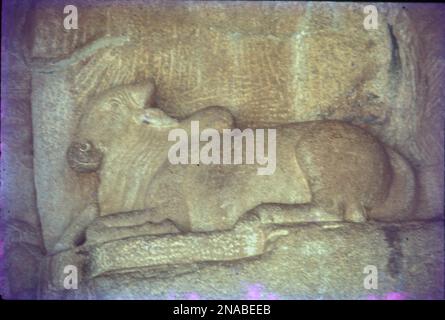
(269, 63)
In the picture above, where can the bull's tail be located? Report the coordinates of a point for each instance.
(401, 201)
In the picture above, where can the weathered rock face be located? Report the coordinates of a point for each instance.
(77, 148)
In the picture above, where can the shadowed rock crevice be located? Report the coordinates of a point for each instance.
(395, 259)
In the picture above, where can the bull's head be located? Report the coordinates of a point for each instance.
(110, 119)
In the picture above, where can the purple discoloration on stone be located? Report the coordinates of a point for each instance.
(192, 296)
(254, 291)
(396, 296)
(272, 296)
(2, 248)
(388, 296)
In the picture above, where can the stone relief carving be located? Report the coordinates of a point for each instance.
(326, 171)
(359, 155)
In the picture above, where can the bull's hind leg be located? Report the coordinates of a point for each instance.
(279, 214)
(291, 214)
(354, 212)
(347, 208)
(347, 168)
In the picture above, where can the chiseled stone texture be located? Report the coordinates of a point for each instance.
(268, 63)
(314, 261)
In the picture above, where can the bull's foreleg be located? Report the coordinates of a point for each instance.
(128, 224)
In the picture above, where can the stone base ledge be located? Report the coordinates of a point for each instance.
(309, 261)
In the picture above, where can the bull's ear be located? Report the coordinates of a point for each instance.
(143, 93)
